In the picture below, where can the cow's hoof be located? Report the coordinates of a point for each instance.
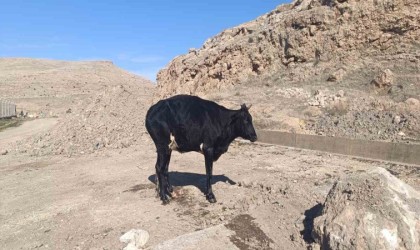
(165, 199)
(211, 198)
(170, 192)
(165, 202)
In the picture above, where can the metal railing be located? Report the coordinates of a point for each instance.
(7, 109)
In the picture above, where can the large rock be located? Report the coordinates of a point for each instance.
(337, 75)
(413, 102)
(384, 79)
(135, 238)
(369, 210)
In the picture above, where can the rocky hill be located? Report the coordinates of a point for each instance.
(44, 87)
(99, 105)
(334, 67)
(304, 38)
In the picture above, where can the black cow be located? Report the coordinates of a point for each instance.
(188, 123)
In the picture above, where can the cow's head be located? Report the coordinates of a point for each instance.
(244, 124)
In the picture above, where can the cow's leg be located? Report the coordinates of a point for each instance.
(169, 187)
(157, 174)
(208, 156)
(162, 171)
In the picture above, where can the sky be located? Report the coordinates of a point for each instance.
(139, 36)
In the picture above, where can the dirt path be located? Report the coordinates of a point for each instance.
(88, 202)
(27, 129)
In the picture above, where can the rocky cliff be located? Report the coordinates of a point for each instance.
(298, 40)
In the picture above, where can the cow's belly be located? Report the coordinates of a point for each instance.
(184, 146)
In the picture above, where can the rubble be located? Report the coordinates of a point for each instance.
(112, 119)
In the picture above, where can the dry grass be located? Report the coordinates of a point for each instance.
(7, 123)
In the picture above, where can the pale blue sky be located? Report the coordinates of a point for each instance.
(139, 36)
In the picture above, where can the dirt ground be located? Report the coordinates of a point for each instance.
(267, 194)
(26, 130)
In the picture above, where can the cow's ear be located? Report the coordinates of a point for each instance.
(244, 107)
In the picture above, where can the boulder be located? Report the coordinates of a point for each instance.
(412, 102)
(397, 119)
(369, 210)
(337, 76)
(135, 238)
(383, 79)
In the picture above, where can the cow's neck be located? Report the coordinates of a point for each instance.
(229, 133)
(227, 137)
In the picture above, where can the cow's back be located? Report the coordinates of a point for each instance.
(193, 108)
(183, 107)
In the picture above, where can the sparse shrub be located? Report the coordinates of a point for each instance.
(338, 107)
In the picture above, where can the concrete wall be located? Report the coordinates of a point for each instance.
(388, 151)
(7, 109)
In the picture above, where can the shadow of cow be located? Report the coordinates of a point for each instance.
(182, 179)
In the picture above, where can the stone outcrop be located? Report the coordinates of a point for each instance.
(370, 210)
(297, 40)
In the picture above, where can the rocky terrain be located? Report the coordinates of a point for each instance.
(337, 68)
(99, 105)
(112, 119)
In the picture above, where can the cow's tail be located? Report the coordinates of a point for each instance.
(171, 117)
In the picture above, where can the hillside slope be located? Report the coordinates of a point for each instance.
(50, 87)
(99, 105)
